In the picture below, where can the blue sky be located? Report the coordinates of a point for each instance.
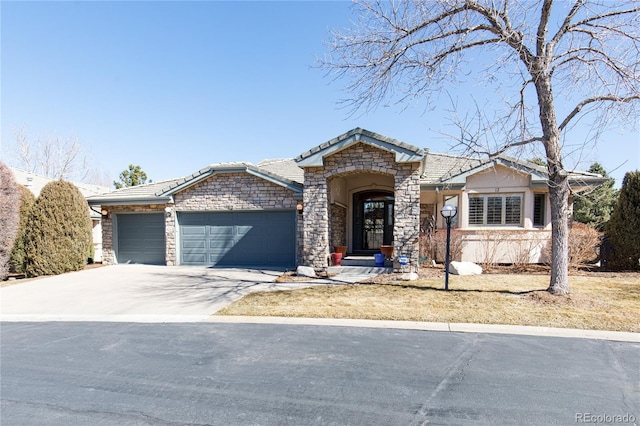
(176, 86)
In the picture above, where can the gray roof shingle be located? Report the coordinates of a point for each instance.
(35, 183)
(160, 192)
(363, 132)
(285, 167)
(440, 167)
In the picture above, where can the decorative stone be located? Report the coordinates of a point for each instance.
(464, 268)
(306, 271)
(409, 276)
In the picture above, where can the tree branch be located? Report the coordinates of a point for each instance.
(578, 108)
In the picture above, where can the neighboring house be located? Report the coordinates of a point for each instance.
(35, 184)
(360, 190)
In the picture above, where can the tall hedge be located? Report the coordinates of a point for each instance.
(9, 217)
(623, 230)
(58, 236)
(18, 256)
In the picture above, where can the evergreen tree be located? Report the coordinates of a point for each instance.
(9, 217)
(18, 256)
(623, 230)
(58, 236)
(133, 176)
(595, 207)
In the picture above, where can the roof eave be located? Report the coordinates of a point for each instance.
(403, 154)
(212, 171)
(128, 201)
(442, 186)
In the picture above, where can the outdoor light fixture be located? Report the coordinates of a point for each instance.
(104, 213)
(167, 211)
(448, 212)
(299, 207)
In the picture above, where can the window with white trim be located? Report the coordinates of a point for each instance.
(495, 209)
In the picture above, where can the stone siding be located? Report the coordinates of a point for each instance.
(406, 226)
(233, 191)
(316, 219)
(355, 159)
(337, 226)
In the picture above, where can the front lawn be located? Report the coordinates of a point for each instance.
(598, 301)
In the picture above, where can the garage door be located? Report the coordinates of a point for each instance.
(141, 238)
(238, 238)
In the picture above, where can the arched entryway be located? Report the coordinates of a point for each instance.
(373, 213)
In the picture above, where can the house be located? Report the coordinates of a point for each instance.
(361, 190)
(35, 183)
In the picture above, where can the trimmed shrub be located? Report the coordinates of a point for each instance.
(583, 242)
(623, 230)
(18, 256)
(58, 236)
(9, 217)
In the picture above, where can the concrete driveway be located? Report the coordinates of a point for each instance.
(139, 293)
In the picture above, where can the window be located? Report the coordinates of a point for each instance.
(539, 209)
(453, 200)
(495, 210)
(476, 210)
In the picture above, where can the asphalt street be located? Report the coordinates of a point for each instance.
(100, 373)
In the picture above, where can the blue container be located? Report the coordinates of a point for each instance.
(379, 257)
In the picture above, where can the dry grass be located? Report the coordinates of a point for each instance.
(597, 302)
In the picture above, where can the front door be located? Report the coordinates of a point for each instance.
(372, 221)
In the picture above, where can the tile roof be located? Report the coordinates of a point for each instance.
(439, 167)
(35, 183)
(160, 192)
(145, 191)
(285, 167)
(442, 168)
(357, 132)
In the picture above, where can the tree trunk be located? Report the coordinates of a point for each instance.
(559, 198)
(558, 182)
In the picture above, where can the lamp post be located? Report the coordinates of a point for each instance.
(448, 212)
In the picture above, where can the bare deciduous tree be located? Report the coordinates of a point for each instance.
(52, 157)
(586, 53)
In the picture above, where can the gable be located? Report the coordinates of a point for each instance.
(497, 177)
(403, 152)
(229, 169)
(229, 192)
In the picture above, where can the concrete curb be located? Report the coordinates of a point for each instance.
(621, 336)
(142, 318)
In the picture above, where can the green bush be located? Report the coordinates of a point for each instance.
(18, 256)
(595, 207)
(58, 237)
(623, 230)
(9, 217)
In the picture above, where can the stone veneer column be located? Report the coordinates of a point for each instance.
(170, 237)
(406, 226)
(108, 256)
(316, 219)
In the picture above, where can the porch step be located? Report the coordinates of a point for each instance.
(354, 274)
(367, 261)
